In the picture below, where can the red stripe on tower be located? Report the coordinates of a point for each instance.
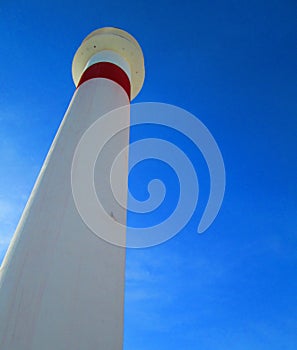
(107, 70)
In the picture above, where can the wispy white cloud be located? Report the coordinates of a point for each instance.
(10, 212)
(6, 211)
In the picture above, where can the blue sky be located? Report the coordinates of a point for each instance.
(232, 64)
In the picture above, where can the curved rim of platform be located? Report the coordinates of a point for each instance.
(116, 40)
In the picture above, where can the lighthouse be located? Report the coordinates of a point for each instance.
(61, 286)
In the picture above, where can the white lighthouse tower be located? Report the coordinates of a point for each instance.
(62, 287)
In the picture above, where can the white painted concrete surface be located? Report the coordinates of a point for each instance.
(62, 287)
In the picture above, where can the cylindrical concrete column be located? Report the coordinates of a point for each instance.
(62, 287)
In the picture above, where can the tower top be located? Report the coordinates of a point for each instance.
(118, 41)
